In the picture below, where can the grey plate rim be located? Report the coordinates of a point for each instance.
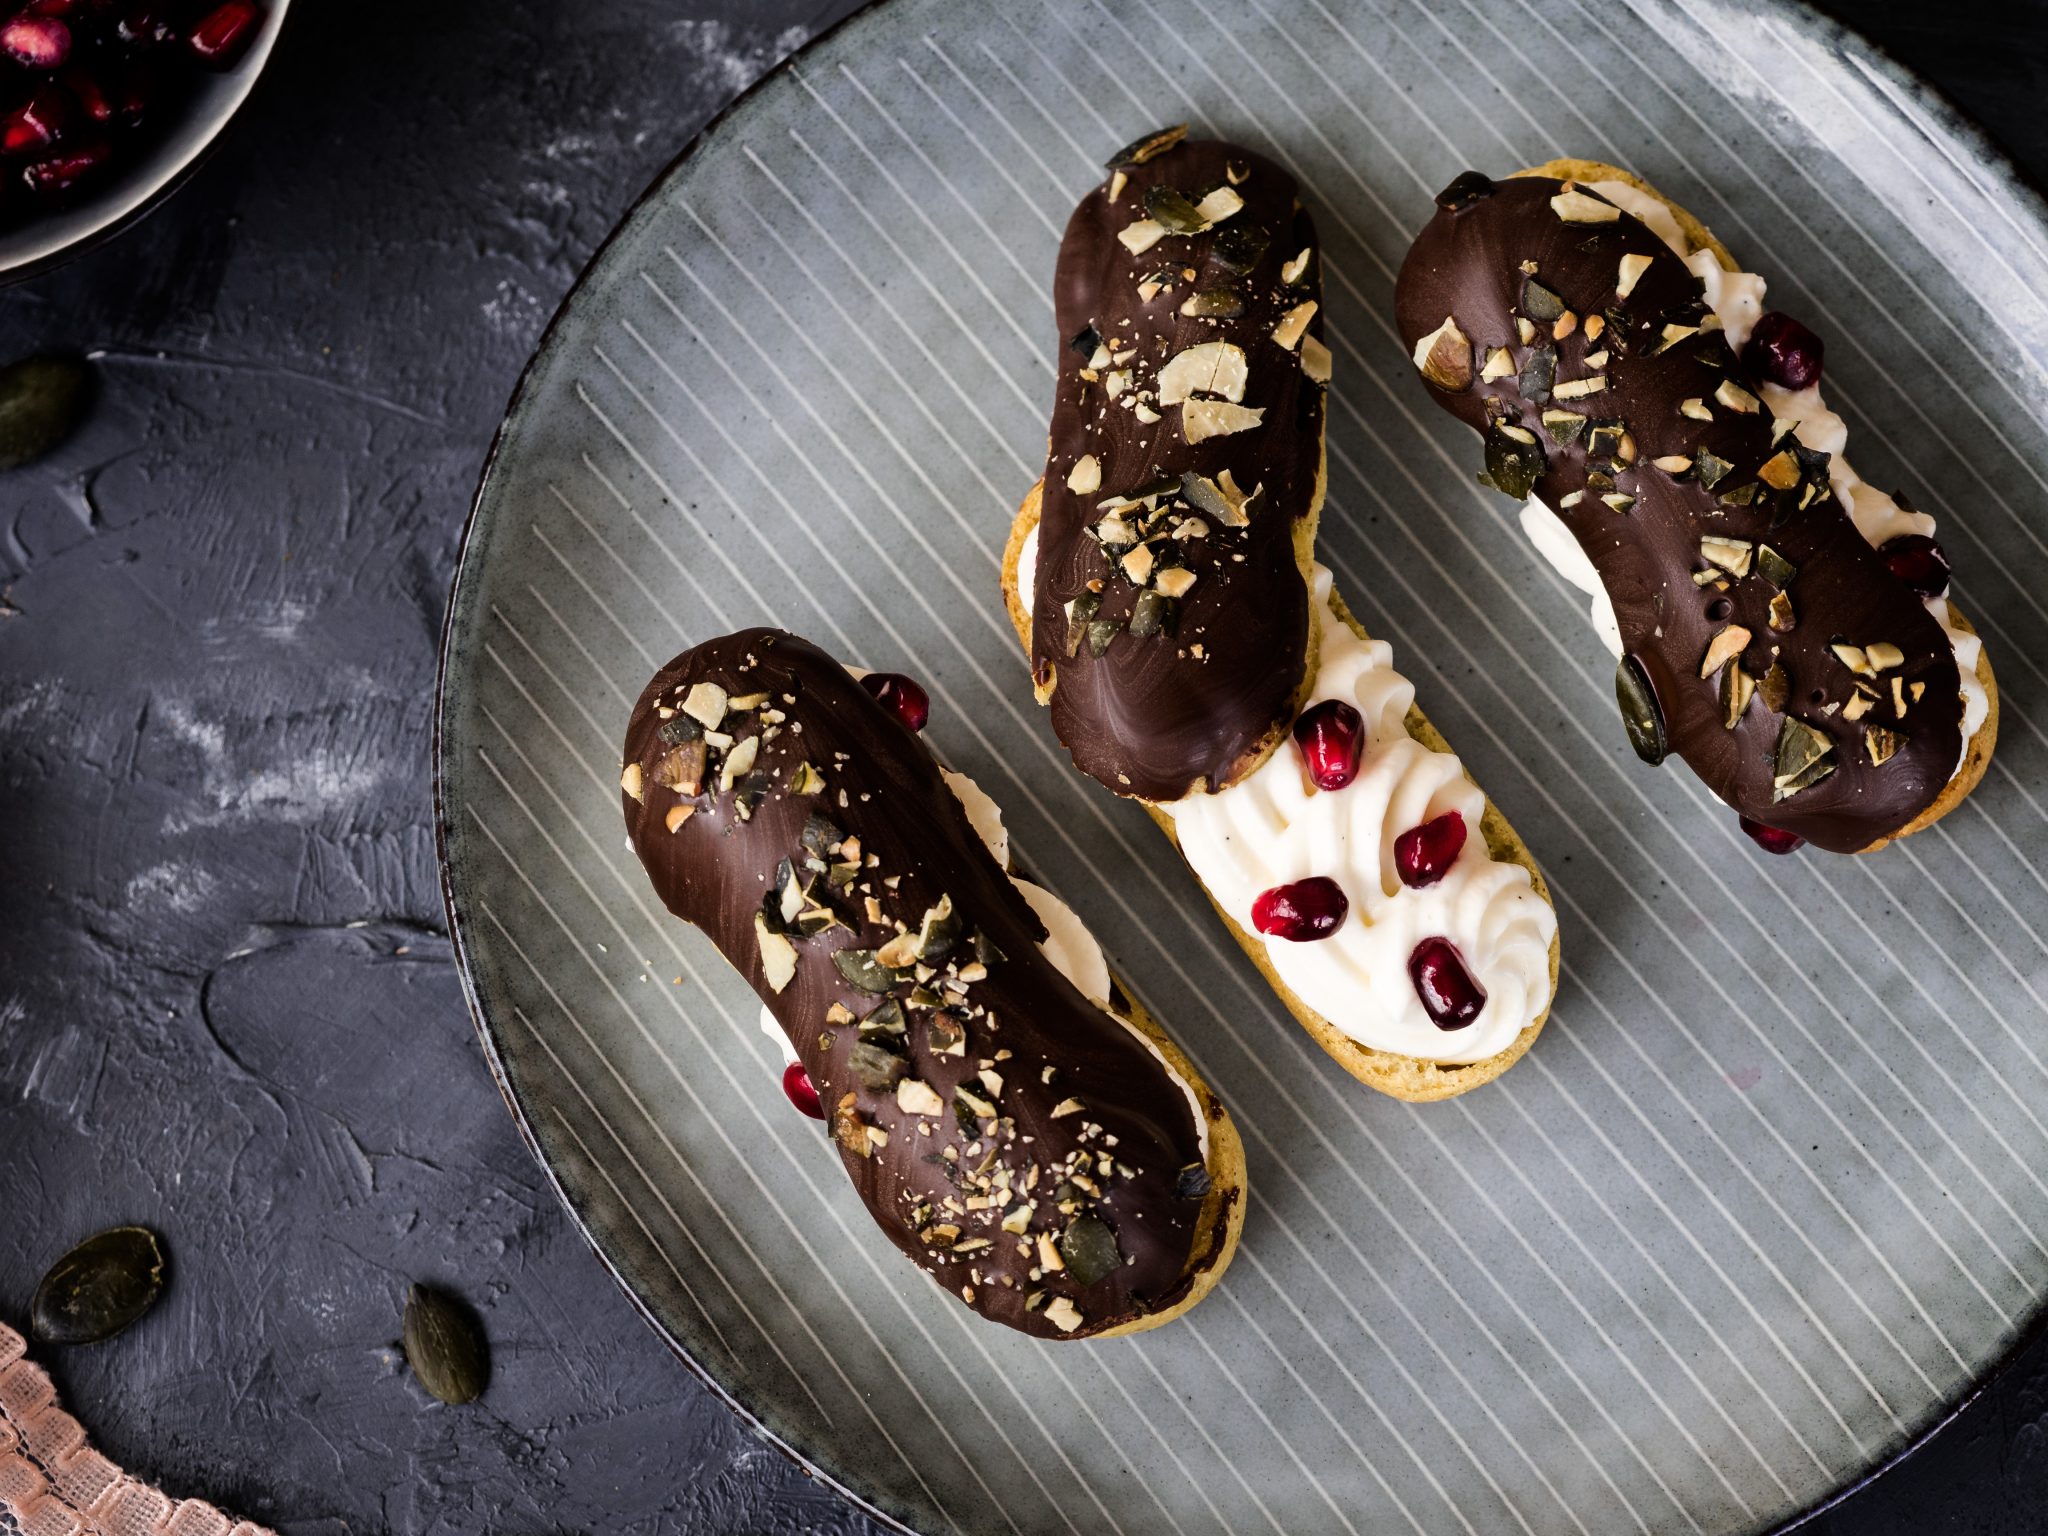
(1801, 15)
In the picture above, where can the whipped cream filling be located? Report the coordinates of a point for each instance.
(1067, 943)
(1271, 828)
(1738, 298)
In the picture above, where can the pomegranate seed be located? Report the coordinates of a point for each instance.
(62, 171)
(1423, 854)
(1308, 909)
(40, 42)
(1783, 352)
(1332, 739)
(796, 1082)
(1448, 992)
(1917, 561)
(1772, 839)
(902, 697)
(224, 32)
(89, 94)
(35, 125)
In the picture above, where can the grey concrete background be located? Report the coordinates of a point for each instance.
(226, 1002)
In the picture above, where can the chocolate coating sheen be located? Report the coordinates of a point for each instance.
(1469, 264)
(916, 847)
(1160, 715)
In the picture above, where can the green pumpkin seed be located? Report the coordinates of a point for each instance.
(1512, 466)
(1088, 1249)
(1214, 304)
(1174, 210)
(1541, 303)
(1152, 145)
(1240, 246)
(445, 1347)
(1539, 373)
(1153, 614)
(1640, 716)
(42, 401)
(1193, 1180)
(878, 1068)
(1100, 633)
(99, 1287)
(863, 971)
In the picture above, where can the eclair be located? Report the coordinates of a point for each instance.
(1192, 654)
(1781, 625)
(1011, 1119)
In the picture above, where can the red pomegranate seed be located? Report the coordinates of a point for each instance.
(1423, 854)
(1448, 992)
(89, 94)
(1332, 739)
(40, 42)
(1772, 839)
(63, 171)
(1783, 352)
(1917, 561)
(796, 1082)
(36, 124)
(902, 697)
(1308, 909)
(225, 31)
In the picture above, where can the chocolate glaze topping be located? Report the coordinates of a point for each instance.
(1535, 267)
(989, 1115)
(1164, 686)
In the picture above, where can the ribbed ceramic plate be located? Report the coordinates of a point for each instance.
(1770, 1194)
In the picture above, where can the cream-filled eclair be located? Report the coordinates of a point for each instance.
(1011, 1119)
(1782, 625)
(1162, 578)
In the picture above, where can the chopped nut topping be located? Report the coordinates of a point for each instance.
(1595, 324)
(1295, 322)
(1858, 706)
(1063, 1314)
(1696, 408)
(914, 1096)
(1201, 420)
(1524, 330)
(1174, 581)
(1137, 564)
(1724, 648)
(1736, 398)
(1883, 655)
(1737, 687)
(1219, 205)
(1067, 1107)
(1291, 271)
(630, 782)
(1565, 324)
(1854, 657)
(1673, 463)
(1780, 472)
(1444, 357)
(677, 815)
(1208, 368)
(705, 704)
(1141, 235)
(1117, 183)
(778, 955)
(1315, 360)
(1732, 555)
(1576, 207)
(1500, 364)
(1782, 618)
(1632, 269)
(1881, 744)
(1579, 388)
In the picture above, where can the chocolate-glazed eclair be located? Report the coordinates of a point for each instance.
(1387, 902)
(1051, 1159)
(1782, 625)
(1184, 475)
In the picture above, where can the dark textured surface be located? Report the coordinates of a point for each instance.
(226, 1004)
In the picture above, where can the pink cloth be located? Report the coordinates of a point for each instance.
(53, 1484)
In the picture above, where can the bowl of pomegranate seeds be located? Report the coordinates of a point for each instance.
(106, 105)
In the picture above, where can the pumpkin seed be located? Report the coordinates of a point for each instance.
(1213, 304)
(1539, 373)
(1153, 614)
(1088, 1248)
(42, 401)
(1241, 246)
(1193, 1180)
(1150, 147)
(99, 1287)
(878, 1068)
(1640, 716)
(1512, 466)
(863, 971)
(1466, 189)
(1173, 211)
(445, 1347)
(1540, 302)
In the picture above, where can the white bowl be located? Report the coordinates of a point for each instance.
(157, 169)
